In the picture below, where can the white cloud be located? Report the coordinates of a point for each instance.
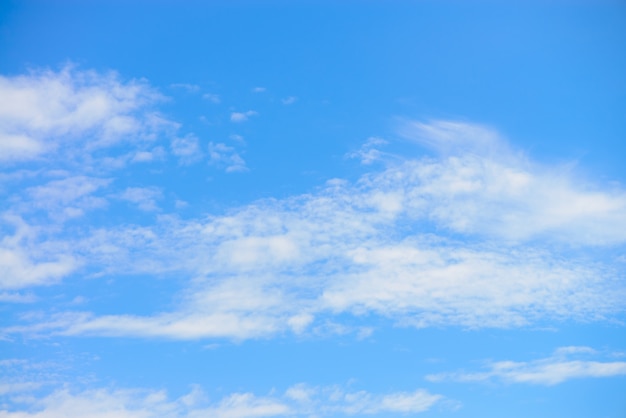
(369, 152)
(155, 154)
(46, 112)
(238, 117)
(221, 155)
(18, 269)
(298, 401)
(187, 149)
(409, 242)
(16, 147)
(25, 261)
(213, 98)
(259, 90)
(289, 100)
(66, 198)
(8, 297)
(144, 197)
(479, 185)
(191, 88)
(548, 371)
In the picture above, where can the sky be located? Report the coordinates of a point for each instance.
(312, 209)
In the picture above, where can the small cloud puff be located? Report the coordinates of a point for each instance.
(156, 153)
(190, 88)
(369, 151)
(224, 156)
(237, 138)
(213, 98)
(144, 197)
(187, 149)
(238, 117)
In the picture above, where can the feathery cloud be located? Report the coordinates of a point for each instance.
(563, 365)
(239, 117)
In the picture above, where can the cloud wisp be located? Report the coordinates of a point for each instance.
(68, 139)
(411, 243)
(300, 400)
(238, 117)
(474, 235)
(565, 364)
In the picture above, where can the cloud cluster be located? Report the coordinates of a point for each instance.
(474, 235)
(48, 113)
(297, 401)
(70, 144)
(222, 155)
(381, 245)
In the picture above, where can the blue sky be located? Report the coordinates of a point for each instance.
(312, 209)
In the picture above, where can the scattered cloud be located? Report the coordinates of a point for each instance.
(144, 197)
(190, 88)
(463, 238)
(211, 97)
(222, 155)
(27, 259)
(239, 117)
(289, 100)
(187, 149)
(259, 90)
(155, 154)
(297, 401)
(565, 364)
(369, 151)
(480, 185)
(8, 297)
(66, 198)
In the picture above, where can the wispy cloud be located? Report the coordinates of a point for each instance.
(146, 156)
(144, 197)
(237, 138)
(47, 112)
(187, 149)
(289, 100)
(26, 261)
(188, 87)
(565, 364)
(14, 297)
(259, 90)
(211, 97)
(239, 117)
(467, 237)
(68, 197)
(222, 155)
(480, 185)
(297, 401)
(291, 265)
(370, 151)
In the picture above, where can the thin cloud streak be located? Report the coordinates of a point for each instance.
(559, 368)
(300, 400)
